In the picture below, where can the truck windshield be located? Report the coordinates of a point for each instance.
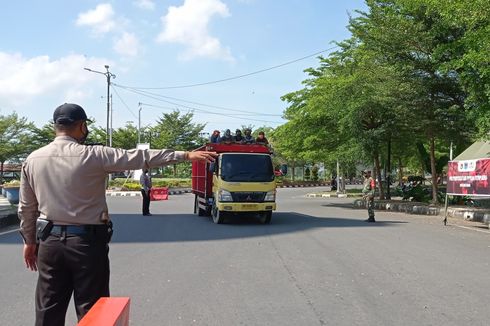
(246, 168)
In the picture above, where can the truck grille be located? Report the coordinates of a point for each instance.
(243, 197)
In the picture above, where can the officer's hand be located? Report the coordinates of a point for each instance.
(30, 256)
(202, 156)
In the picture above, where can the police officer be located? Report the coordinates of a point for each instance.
(63, 194)
(368, 194)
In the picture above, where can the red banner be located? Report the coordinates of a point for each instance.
(470, 177)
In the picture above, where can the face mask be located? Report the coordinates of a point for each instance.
(85, 135)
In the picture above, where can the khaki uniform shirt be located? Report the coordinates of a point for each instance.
(65, 181)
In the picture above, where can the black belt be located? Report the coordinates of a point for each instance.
(76, 229)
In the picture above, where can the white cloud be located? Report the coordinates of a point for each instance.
(188, 25)
(76, 95)
(100, 19)
(145, 4)
(127, 45)
(23, 79)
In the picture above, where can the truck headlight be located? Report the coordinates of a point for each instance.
(224, 195)
(270, 196)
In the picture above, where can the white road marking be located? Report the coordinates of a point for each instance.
(471, 228)
(7, 232)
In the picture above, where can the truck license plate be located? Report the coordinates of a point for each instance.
(249, 205)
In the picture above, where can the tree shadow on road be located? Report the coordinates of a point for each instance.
(134, 228)
(339, 205)
(184, 227)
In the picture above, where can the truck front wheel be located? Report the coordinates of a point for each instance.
(265, 217)
(218, 216)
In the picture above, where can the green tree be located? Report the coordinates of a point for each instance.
(414, 42)
(97, 134)
(410, 74)
(126, 137)
(14, 139)
(177, 131)
(345, 111)
(42, 136)
(469, 54)
(266, 129)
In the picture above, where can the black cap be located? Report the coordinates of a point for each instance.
(68, 113)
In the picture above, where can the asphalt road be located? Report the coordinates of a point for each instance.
(317, 263)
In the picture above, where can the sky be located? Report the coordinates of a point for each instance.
(159, 50)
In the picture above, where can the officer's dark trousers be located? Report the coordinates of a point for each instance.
(78, 265)
(146, 201)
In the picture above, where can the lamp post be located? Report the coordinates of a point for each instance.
(108, 75)
(110, 124)
(139, 122)
(446, 197)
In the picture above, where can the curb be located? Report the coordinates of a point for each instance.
(475, 215)
(479, 215)
(138, 194)
(329, 195)
(409, 208)
(304, 186)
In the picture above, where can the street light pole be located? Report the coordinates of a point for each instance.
(139, 123)
(447, 197)
(108, 75)
(110, 127)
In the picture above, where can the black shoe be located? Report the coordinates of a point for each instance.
(370, 220)
(149, 214)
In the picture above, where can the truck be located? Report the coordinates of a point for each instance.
(240, 181)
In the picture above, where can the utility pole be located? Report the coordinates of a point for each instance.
(139, 122)
(447, 197)
(110, 127)
(108, 75)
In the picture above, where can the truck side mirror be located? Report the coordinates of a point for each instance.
(214, 166)
(284, 169)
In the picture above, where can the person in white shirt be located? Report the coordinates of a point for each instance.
(145, 183)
